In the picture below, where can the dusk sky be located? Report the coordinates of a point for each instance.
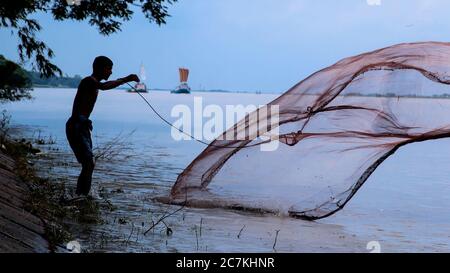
(243, 45)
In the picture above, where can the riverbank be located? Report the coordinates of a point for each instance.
(34, 213)
(21, 229)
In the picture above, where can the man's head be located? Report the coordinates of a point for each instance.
(102, 67)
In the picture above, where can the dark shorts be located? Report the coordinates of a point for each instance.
(78, 132)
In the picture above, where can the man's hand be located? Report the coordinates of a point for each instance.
(132, 78)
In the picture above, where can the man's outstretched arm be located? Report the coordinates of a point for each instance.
(113, 84)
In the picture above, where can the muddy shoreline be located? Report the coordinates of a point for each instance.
(22, 230)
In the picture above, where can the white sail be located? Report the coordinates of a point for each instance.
(140, 86)
(142, 75)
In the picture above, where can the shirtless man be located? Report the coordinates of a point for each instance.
(79, 127)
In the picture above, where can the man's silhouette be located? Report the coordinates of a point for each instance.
(79, 127)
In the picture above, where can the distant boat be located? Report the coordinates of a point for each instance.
(183, 88)
(140, 86)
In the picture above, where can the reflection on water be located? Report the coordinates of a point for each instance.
(404, 205)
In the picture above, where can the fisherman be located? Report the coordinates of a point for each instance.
(79, 126)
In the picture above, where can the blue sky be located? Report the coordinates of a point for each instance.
(247, 45)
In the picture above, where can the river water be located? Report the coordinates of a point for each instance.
(403, 207)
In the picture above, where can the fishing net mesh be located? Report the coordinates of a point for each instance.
(335, 128)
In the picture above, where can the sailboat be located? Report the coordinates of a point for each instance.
(140, 86)
(183, 88)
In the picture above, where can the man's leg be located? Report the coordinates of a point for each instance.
(86, 159)
(85, 178)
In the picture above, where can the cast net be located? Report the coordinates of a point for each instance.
(334, 129)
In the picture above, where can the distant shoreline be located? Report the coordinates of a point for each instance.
(443, 96)
(168, 90)
(73, 82)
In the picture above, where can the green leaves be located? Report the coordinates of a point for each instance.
(14, 83)
(106, 15)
